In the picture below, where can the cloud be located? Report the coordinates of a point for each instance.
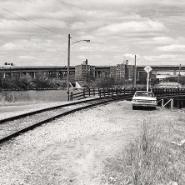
(9, 46)
(172, 48)
(86, 25)
(162, 40)
(119, 2)
(164, 59)
(132, 26)
(27, 57)
(25, 25)
(124, 3)
(116, 28)
(36, 45)
(160, 57)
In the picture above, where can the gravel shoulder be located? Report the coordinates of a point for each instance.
(72, 150)
(14, 109)
(21, 108)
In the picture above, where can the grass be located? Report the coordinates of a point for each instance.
(152, 159)
(29, 96)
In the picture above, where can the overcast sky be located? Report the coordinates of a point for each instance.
(34, 32)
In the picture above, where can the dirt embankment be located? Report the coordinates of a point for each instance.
(73, 150)
(32, 96)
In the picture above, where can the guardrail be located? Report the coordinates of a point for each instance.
(169, 92)
(101, 92)
(107, 92)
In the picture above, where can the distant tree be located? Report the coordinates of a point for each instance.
(105, 83)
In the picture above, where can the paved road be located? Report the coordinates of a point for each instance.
(72, 150)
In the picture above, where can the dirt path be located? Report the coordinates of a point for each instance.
(72, 150)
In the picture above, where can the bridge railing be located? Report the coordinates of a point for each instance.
(108, 92)
(101, 92)
(169, 92)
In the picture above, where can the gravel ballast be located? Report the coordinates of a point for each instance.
(72, 150)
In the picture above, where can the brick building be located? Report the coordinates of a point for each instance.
(84, 72)
(102, 72)
(122, 72)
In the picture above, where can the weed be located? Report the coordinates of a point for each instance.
(149, 160)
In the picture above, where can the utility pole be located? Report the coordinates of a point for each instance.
(135, 72)
(68, 64)
(86, 70)
(179, 73)
(125, 71)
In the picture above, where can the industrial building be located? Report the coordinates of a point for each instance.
(85, 72)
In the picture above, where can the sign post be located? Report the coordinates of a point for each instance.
(147, 69)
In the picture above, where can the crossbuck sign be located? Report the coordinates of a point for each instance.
(148, 69)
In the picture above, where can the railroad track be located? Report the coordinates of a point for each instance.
(17, 125)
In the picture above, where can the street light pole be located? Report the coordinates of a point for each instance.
(68, 64)
(135, 73)
(179, 73)
(147, 83)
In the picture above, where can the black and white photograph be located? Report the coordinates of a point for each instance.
(92, 92)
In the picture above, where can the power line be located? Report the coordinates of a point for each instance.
(28, 20)
(66, 4)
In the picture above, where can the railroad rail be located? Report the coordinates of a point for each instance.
(103, 92)
(17, 125)
(164, 95)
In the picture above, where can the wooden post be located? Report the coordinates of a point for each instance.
(89, 92)
(94, 92)
(71, 96)
(112, 92)
(172, 103)
(99, 91)
(84, 93)
(183, 103)
(162, 102)
(177, 102)
(108, 91)
(116, 91)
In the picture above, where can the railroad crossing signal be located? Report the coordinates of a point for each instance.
(148, 69)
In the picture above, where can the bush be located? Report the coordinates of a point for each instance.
(147, 161)
(105, 83)
(26, 82)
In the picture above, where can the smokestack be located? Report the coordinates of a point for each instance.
(85, 62)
